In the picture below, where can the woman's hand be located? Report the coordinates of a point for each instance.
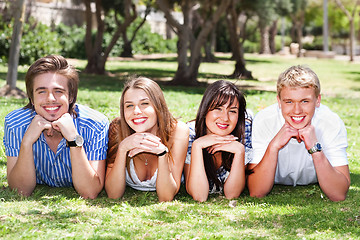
(213, 139)
(232, 147)
(142, 142)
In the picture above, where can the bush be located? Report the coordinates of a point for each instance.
(37, 41)
(316, 44)
(251, 47)
(72, 40)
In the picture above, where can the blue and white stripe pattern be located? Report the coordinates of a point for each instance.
(54, 169)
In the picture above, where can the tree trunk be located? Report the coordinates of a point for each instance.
(96, 56)
(15, 44)
(264, 39)
(299, 37)
(352, 39)
(187, 72)
(240, 70)
(127, 50)
(272, 35)
(209, 47)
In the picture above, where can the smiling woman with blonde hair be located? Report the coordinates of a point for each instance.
(147, 145)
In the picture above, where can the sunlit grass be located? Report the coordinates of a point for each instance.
(302, 212)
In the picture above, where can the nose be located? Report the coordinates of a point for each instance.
(297, 108)
(51, 97)
(137, 110)
(224, 115)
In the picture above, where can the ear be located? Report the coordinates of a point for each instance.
(318, 100)
(279, 101)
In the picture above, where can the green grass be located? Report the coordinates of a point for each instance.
(302, 212)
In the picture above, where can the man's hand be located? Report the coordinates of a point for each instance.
(284, 135)
(308, 135)
(37, 126)
(66, 126)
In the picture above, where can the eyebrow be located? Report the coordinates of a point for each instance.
(44, 88)
(143, 99)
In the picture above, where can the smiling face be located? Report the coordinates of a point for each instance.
(223, 119)
(139, 111)
(298, 105)
(51, 95)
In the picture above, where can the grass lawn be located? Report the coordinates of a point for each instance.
(302, 212)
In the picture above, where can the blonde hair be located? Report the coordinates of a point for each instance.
(298, 76)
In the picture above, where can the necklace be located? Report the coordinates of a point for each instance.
(146, 162)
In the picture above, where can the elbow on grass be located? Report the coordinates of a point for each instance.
(258, 194)
(337, 198)
(199, 197)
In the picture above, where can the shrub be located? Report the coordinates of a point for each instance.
(37, 41)
(72, 40)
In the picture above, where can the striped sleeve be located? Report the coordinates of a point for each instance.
(94, 129)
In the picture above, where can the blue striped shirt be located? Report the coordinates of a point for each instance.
(54, 169)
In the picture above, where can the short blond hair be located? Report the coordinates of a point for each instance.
(298, 76)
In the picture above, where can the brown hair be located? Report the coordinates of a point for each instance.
(119, 129)
(298, 76)
(53, 64)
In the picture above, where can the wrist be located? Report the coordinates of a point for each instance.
(166, 150)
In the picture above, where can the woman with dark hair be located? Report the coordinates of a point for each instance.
(147, 145)
(219, 144)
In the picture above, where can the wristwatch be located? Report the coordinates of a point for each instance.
(78, 142)
(316, 148)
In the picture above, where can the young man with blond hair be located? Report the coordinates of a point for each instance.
(299, 141)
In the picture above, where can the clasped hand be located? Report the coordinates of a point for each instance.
(306, 135)
(142, 142)
(64, 125)
(214, 143)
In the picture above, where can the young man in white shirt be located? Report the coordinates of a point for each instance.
(299, 141)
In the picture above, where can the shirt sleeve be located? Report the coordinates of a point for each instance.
(264, 128)
(248, 141)
(191, 126)
(96, 145)
(12, 140)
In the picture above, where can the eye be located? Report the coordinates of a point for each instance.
(234, 111)
(288, 101)
(145, 103)
(129, 106)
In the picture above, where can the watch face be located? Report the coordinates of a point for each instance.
(318, 147)
(79, 140)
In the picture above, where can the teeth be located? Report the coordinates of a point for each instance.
(51, 108)
(222, 125)
(297, 118)
(139, 120)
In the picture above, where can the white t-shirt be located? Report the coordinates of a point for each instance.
(295, 165)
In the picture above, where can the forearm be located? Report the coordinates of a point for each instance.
(332, 182)
(261, 181)
(197, 184)
(166, 185)
(235, 182)
(87, 181)
(22, 175)
(115, 183)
